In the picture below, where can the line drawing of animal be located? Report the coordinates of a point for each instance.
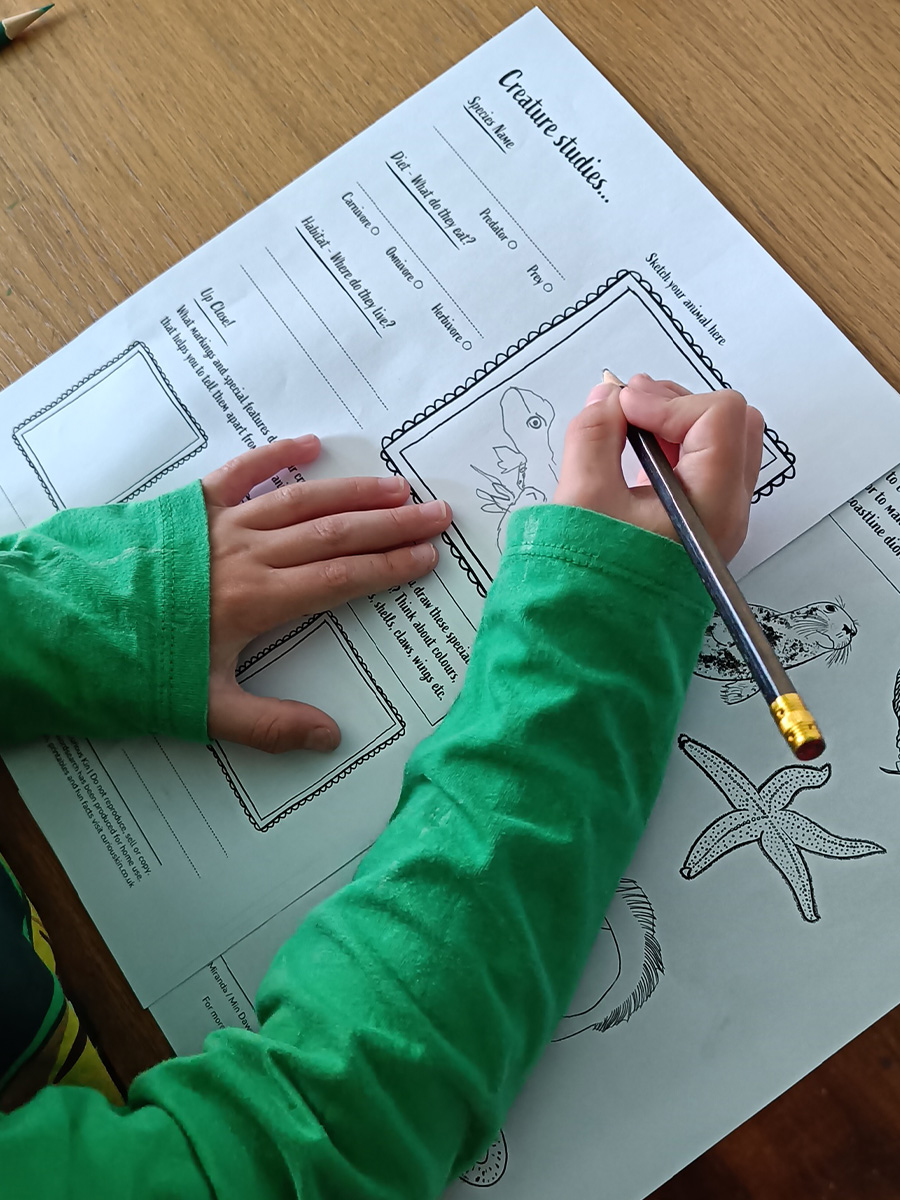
(797, 636)
(765, 816)
(895, 705)
(624, 970)
(623, 974)
(527, 458)
(489, 1169)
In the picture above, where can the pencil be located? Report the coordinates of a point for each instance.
(794, 720)
(13, 26)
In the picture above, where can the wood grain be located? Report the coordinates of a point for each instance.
(135, 130)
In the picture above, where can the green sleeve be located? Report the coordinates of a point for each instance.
(106, 621)
(403, 1016)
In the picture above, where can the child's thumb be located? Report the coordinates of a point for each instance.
(268, 724)
(591, 473)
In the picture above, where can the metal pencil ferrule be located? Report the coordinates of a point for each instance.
(797, 726)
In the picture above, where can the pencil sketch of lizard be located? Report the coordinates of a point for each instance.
(765, 815)
(525, 466)
(797, 636)
(624, 970)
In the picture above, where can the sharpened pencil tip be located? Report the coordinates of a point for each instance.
(609, 377)
(11, 27)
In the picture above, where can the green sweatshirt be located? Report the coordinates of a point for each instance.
(399, 1022)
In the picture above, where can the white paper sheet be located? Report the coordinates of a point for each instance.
(435, 298)
(223, 992)
(711, 991)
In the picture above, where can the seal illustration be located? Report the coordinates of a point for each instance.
(797, 636)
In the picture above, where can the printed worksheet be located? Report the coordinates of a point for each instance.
(753, 934)
(434, 299)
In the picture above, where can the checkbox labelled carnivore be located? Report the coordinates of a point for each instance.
(129, 402)
(270, 787)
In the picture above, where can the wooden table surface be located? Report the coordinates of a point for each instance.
(134, 130)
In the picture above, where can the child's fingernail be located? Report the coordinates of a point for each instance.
(306, 440)
(322, 738)
(434, 508)
(392, 484)
(603, 391)
(424, 555)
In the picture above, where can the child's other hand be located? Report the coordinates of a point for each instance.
(295, 551)
(714, 440)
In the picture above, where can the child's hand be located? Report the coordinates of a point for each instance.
(714, 441)
(295, 551)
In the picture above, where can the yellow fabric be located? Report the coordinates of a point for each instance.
(76, 1062)
(86, 1068)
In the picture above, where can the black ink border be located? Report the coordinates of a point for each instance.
(192, 422)
(327, 618)
(504, 357)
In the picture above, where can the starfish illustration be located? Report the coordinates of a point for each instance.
(765, 815)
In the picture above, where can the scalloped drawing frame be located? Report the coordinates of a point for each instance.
(685, 342)
(399, 727)
(171, 395)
